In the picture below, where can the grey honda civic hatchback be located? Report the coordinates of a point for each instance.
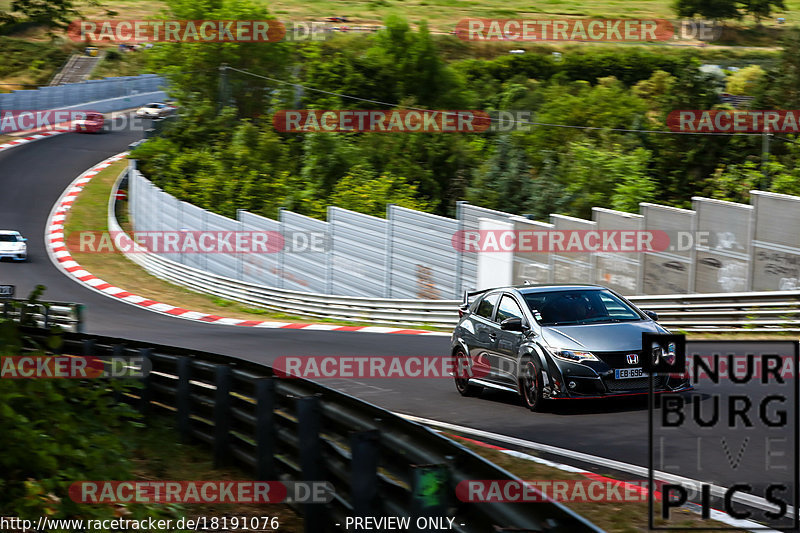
(550, 342)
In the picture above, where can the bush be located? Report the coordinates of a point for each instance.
(54, 432)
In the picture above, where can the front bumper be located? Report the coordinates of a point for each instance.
(17, 256)
(574, 380)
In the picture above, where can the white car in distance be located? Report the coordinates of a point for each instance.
(13, 245)
(155, 110)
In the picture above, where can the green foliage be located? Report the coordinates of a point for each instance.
(745, 81)
(727, 9)
(194, 68)
(504, 181)
(17, 53)
(229, 157)
(781, 174)
(761, 8)
(54, 432)
(606, 177)
(360, 190)
(709, 9)
(781, 87)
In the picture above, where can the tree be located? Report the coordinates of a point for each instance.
(761, 8)
(504, 181)
(781, 88)
(745, 81)
(194, 68)
(360, 190)
(655, 87)
(597, 176)
(709, 9)
(57, 13)
(408, 64)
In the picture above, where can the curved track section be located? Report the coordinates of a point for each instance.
(33, 177)
(60, 256)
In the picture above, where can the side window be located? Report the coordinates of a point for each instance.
(508, 309)
(487, 305)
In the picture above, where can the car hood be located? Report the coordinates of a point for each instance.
(9, 246)
(621, 336)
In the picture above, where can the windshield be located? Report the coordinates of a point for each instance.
(8, 238)
(579, 307)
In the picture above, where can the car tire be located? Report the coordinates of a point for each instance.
(530, 385)
(463, 386)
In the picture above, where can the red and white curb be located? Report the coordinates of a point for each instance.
(719, 516)
(60, 256)
(29, 139)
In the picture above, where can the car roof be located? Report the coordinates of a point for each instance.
(8, 232)
(553, 287)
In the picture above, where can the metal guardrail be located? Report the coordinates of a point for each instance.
(442, 313)
(68, 316)
(746, 311)
(751, 311)
(293, 429)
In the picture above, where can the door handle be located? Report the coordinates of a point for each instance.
(493, 336)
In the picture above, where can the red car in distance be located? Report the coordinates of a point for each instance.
(93, 123)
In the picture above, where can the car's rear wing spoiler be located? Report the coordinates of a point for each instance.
(465, 303)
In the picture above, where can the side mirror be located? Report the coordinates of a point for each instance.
(513, 324)
(652, 314)
(24, 239)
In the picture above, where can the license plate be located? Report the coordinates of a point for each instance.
(628, 373)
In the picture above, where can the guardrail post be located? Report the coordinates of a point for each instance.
(182, 399)
(308, 428)
(364, 472)
(78, 318)
(88, 348)
(116, 354)
(429, 490)
(222, 415)
(146, 392)
(265, 429)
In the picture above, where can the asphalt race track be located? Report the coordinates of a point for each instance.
(34, 175)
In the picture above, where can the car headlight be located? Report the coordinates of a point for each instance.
(573, 356)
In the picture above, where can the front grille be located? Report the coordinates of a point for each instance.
(634, 384)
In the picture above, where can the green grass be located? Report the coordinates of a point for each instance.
(25, 61)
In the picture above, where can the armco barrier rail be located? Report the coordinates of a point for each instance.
(67, 316)
(751, 311)
(286, 429)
